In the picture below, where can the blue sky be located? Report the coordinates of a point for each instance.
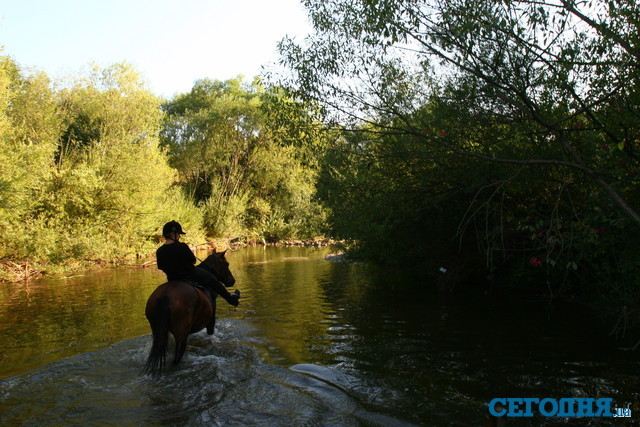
(171, 43)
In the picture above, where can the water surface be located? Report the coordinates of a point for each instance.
(313, 342)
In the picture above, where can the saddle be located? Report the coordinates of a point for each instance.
(206, 290)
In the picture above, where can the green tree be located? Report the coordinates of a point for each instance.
(526, 114)
(29, 131)
(83, 176)
(237, 163)
(552, 65)
(112, 181)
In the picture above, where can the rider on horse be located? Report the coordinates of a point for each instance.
(178, 262)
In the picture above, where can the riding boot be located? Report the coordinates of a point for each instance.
(232, 298)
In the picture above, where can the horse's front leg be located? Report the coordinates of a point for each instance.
(212, 323)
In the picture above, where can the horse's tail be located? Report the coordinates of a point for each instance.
(160, 328)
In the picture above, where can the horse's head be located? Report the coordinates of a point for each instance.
(217, 264)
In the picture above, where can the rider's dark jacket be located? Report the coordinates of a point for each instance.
(176, 260)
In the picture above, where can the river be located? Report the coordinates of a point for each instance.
(313, 342)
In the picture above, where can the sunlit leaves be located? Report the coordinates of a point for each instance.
(82, 166)
(246, 154)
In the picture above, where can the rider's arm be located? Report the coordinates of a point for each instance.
(188, 254)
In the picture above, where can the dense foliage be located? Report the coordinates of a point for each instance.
(92, 169)
(231, 143)
(508, 129)
(83, 178)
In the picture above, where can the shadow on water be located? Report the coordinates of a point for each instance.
(313, 342)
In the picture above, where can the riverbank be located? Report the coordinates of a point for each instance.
(19, 270)
(253, 240)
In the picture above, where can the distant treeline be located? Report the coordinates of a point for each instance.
(92, 169)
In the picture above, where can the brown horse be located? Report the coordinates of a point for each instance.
(182, 309)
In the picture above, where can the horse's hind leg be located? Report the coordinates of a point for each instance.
(181, 346)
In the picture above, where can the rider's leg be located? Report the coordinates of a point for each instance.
(207, 279)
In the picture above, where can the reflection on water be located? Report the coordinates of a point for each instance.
(45, 320)
(315, 341)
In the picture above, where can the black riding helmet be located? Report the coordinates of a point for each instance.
(172, 227)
